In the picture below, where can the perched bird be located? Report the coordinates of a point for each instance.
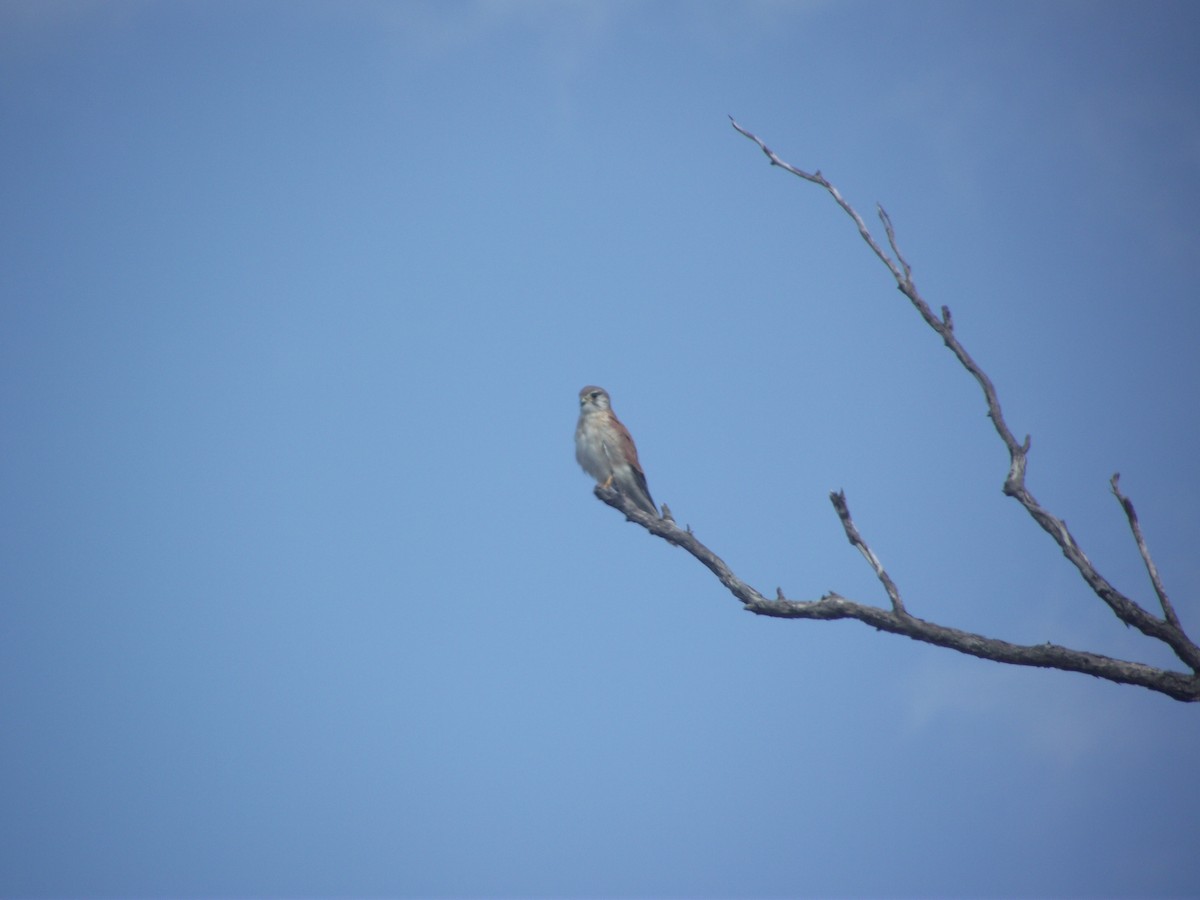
(606, 451)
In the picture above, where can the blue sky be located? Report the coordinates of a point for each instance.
(302, 592)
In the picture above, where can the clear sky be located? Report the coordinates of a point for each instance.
(302, 592)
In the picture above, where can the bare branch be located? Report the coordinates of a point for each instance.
(898, 620)
(838, 499)
(891, 236)
(833, 606)
(1123, 607)
(1151, 569)
(681, 537)
(818, 178)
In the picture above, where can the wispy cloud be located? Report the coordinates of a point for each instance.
(1063, 725)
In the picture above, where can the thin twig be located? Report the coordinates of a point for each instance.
(891, 236)
(1151, 569)
(838, 498)
(818, 178)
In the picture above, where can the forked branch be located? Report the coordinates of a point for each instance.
(897, 620)
(1177, 685)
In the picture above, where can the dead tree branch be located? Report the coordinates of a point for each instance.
(831, 606)
(897, 620)
(1151, 569)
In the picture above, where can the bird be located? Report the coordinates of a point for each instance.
(606, 451)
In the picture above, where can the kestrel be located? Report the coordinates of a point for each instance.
(606, 451)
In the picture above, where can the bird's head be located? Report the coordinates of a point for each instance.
(593, 399)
